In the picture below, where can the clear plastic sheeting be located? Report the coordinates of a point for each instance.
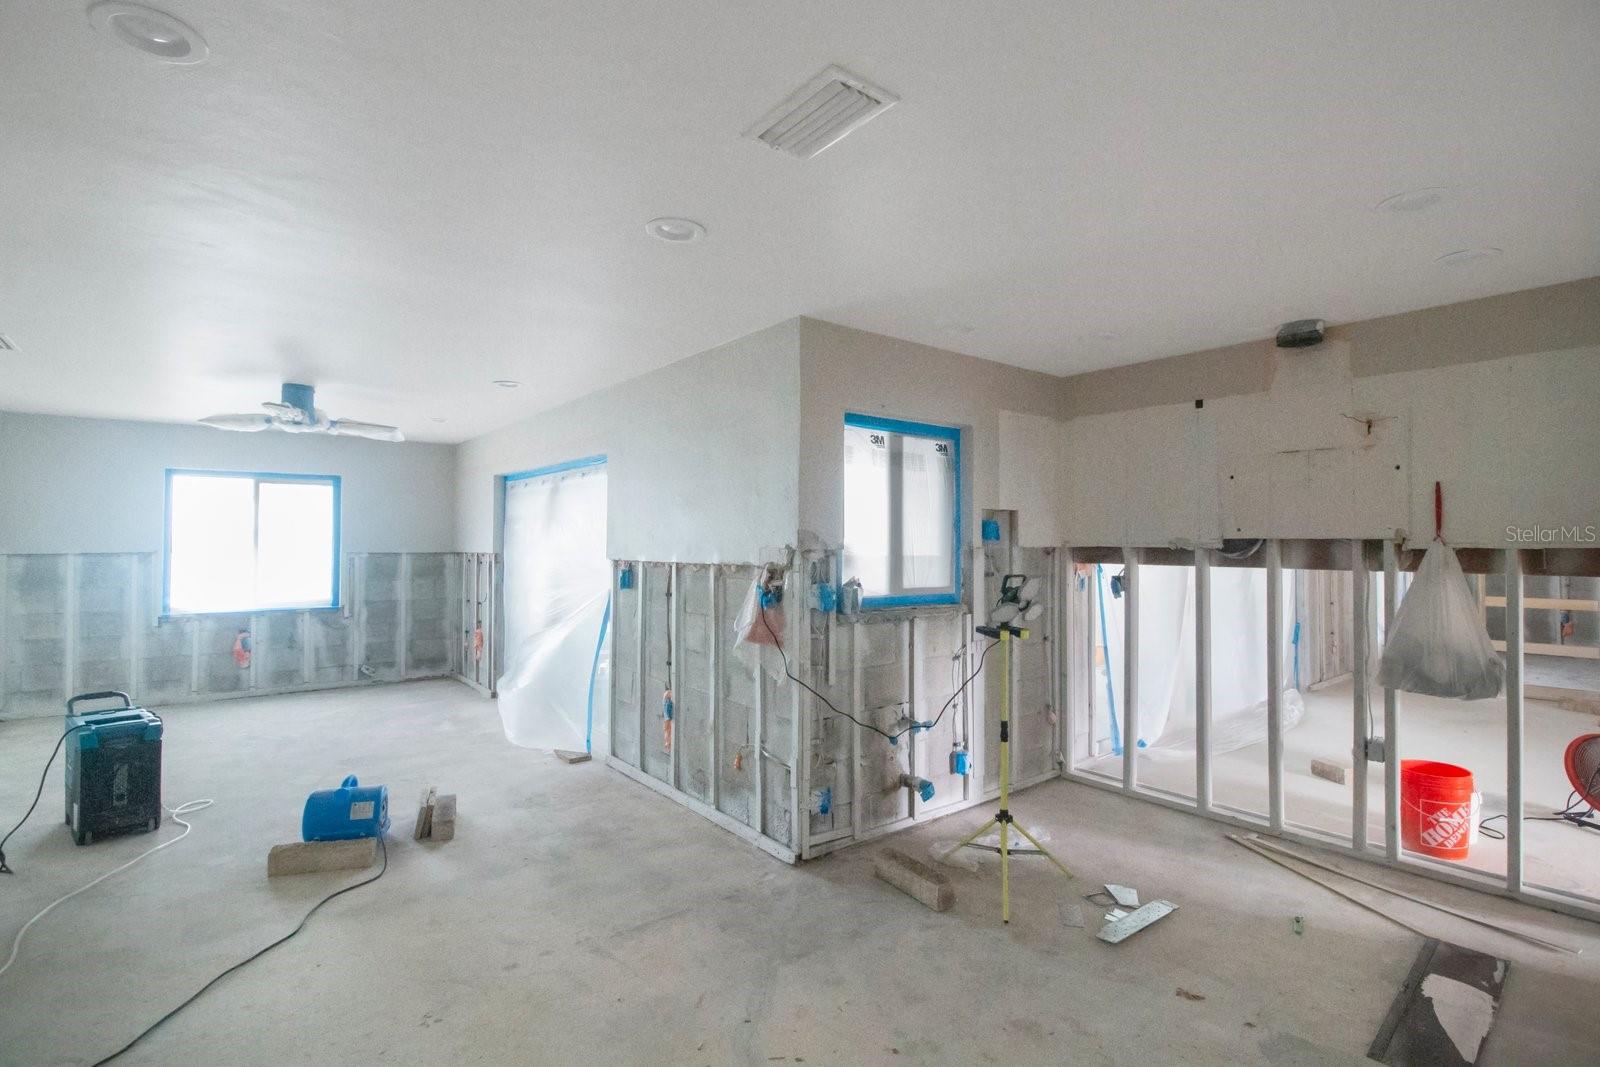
(555, 690)
(1438, 646)
(1166, 657)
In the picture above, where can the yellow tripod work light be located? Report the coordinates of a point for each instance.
(1003, 818)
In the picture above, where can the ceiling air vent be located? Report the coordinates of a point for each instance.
(820, 112)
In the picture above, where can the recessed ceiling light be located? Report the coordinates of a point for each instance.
(1467, 255)
(1414, 200)
(677, 230)
(506, 383)
(155, 33)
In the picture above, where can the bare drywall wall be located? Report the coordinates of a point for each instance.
(1325, 453)
(701, 455)
(70, 485)
(846, 370)
(1553, 318)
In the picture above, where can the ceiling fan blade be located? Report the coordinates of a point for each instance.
(244, 422)
(370, 430)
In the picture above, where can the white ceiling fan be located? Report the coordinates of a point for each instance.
(298, 413)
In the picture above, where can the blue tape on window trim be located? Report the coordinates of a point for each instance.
(334, 480)
(557, 468)
(958, 576)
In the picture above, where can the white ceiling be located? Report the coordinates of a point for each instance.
(400, 202)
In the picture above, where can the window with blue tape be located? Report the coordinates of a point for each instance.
(240, 541)
(902, 511)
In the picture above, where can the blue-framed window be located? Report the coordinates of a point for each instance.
(902, 511)
(239, 541)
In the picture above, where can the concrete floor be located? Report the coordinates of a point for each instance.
(1470, 734)
(578, 916)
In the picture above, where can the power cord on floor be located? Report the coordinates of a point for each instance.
(37, 794)
(778, 644)
(1569, 814)
(177, 814)
(192, 997)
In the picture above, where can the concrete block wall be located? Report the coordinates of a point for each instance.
(86, 622)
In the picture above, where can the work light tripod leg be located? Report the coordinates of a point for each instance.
(969, 839)
(1005, 872)
(1034, 841)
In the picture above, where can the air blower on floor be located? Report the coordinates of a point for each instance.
(353, 810)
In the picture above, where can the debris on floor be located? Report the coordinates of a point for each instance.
(915, 879)
(1444, 1010)
(1186, 995)
(436, 816)
(566, 755)
(1125, 896)
(1282, 855)
(308, 857)
(1333, 770)
(1125, 926)
(1298, 924)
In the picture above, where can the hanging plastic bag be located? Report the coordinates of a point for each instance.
(1438, 646)
(760, 620)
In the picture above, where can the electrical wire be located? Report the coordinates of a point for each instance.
(778, 644)
(1569, 814)
(177, 817)
(39, 793)
(192, 997)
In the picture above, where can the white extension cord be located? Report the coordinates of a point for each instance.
(177, 814)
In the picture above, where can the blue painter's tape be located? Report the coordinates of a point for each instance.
(594, 669)
(557, 468)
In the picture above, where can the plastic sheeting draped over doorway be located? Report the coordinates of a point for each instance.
(555, 691)
(1166, 657)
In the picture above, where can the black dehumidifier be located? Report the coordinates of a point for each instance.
(113, 770)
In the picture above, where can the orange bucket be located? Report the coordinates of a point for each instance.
(1435, 808)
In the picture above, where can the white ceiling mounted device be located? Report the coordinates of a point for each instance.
(675, 230)
(506, 383)
(820, 112)
(298, 413)
(155, 33)
(1467, 255)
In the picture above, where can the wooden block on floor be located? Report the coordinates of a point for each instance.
(1332, 770)
(566, 755)
(444, 818)
(425, 814)
(915, 878)
(308, 857)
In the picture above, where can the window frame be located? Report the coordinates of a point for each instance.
(256, 478)
(927, 431)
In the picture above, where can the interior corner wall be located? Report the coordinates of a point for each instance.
(1346, 439)
(848, 370)
(700, 456)
(71, 485)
